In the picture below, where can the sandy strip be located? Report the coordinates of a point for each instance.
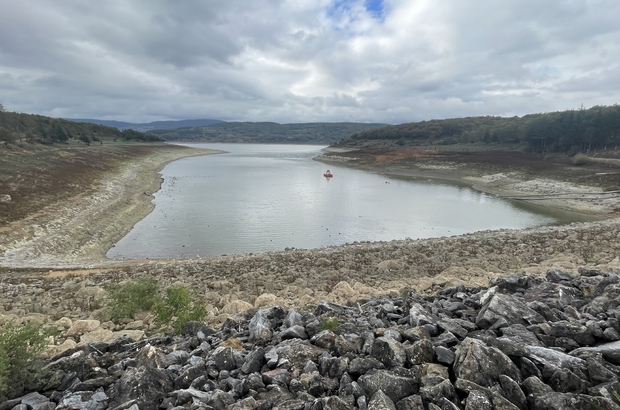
(568, 196)
(79, 231)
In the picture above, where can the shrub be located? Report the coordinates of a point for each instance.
(329, 323)
(177, 308)
(581, 159)
(126, 300)
(20, 347)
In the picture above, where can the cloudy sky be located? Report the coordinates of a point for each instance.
(387, 61)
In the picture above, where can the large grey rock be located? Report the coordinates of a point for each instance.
(419, 316)
(565, 381)
(550, 357)
(224, 358)
(396, 387)
(413, 402)
(361, 365)
(188, 375)
(508, 309)
(610, 351)
(534, 386)
(260, 326)
(574, 331)
(434, 394)
(568, 401)
(82, 400)
(420, 352)
(293, 318)
(557, 275)
(555, 295)
(334, 403)
(498, 401)
(477, 400)
(482, 364)
(389, 352)
(380, 401)
(298, 352)
(36, 401)
(146, 385)
(254, 361)
(294, 332)
(513, 392)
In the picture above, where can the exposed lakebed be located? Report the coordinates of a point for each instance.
(258, 198)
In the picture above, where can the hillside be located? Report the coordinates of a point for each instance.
(20, 129)
(149, 126)
(569, 131)
(307, 133)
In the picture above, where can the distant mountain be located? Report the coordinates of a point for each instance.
(307, 133)
(155, 125)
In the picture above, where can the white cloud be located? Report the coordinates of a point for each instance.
(307, 60)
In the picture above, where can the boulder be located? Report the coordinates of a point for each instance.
(481, 364)
(508, 309)
(394, 386)
(144, 386)
(380, 401)
(389, 352)
(568, 401)
(610, 351)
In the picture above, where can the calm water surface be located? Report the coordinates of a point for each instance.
(259, 198)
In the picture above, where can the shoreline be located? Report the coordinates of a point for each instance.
(586, 200)
(80, 231)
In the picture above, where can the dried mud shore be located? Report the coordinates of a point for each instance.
(78, 231)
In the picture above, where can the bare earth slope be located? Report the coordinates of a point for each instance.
(75, 224)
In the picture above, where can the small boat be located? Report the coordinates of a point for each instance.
(328, 174)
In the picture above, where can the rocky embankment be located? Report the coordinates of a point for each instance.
(527, 342)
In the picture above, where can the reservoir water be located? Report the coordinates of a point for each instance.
(258, 198)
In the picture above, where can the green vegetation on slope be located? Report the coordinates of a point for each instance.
(570, 131)
(29, 128)
(271, 132)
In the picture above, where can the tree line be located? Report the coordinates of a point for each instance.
(30, 128)
(570, 131)
(309, 133)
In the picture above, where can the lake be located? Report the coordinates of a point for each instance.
(258, 198)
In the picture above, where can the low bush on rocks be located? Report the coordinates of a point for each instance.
(177, 308)
(20, 347)
(127, 299)
(172, 310)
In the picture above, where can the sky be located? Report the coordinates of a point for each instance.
(389, 61)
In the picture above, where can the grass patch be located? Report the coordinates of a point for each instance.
(329, 323)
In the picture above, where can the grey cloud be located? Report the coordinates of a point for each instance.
(307, 60)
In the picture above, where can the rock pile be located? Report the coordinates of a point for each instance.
(527, 342)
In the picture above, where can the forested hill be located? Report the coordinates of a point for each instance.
(307, 133)
(566, 131)
(148, 126)
(29, 128)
